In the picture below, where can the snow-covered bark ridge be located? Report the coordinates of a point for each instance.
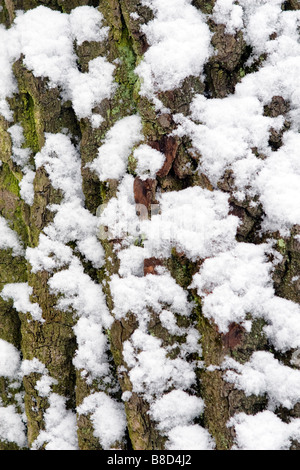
(150, 225)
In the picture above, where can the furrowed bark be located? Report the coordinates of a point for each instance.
(40, 109)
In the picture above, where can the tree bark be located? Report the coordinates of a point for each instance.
(41, 110)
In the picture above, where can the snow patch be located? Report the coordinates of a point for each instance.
(108, 418)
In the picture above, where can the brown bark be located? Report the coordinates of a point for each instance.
(40, 109)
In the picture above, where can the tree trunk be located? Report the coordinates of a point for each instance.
(106, 329)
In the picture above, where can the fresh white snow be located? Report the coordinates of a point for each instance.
(234, 280)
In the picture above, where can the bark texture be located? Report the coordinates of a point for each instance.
(40, 109)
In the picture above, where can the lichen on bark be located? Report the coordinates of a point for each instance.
(39, 109)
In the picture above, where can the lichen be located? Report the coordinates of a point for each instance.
(28, 122)
(205, 6)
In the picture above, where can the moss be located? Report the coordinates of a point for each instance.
(44, 195)
(286, 272)
(9, 180)
(35, 407)
(217, 79)
(53, 343)
(39, 108)
(181, 268)
(4, 14)
(8, 392)
(9, 319)
(20, 225)
(290, 5)
(216, 412)
(281, 245)
(12, 269)
(85, 433)
(127, 56)
(11, 207)
(28, 120)
(221, 399)
(256, 64)
(5, 141)
(123, 102)
(112, 14)
(204, 5)
(5, 445)
(24, 105)
(132, 163)
(255, 340)
(121, 48)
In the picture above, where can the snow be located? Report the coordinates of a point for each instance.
(132, 261)
(108, 418)
(183, 220)
(118, 215)
(84, 90)
(40, 259)
(234, 283)
(9, 360)
(154, 291)
(96, 120)
(61, 161)
(113, 154)
(161, 381)
(12, 428)
(168, 321)
(264, 374)
(9, 239)
(229, 128)
(283, 329)
(60, 427)
(278, 184)
(238, 282)
(8, 84)
(234, 280)
(92, 348)
(80, 292)
(152, 373)
(44, 385)
(192, 437)
(149, 161)
(179, 42)
(72, 222)
(20, 293)
(230, 13)
(134, 15)
(46, 38)
(92, 250)
(262, 19)
(86, 25)
(19, 155)
(176, 408)
(224, 131)
(85, 297)
(33, 366)
(26, 186)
